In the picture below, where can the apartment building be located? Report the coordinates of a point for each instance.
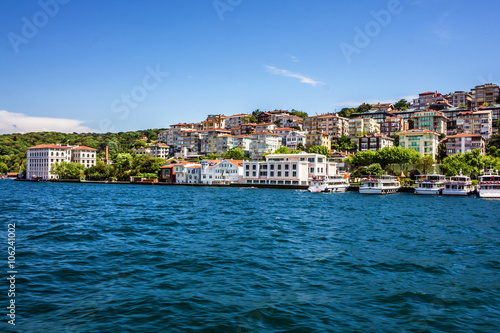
(430, 100)
(374, 142)
(265, 142)
(485, 93)
(475, 122)
(332, 124)
(382, 107)
(392, 125)
(214, 122)
(464, 143)
(360, 126)
(461, 99)
(235, 120)
(208, 143)
(296, 139)
(422, 141)
(318, 138)
(432, 120)
(226, 142)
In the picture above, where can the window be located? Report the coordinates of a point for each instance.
(294, 174)
(279, 173)
(287, 174)
(312, 170)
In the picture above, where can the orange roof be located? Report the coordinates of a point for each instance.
(284, 129)
(51, 146)
(237, 163)
(193, 166)
(240, 115)
(465, 135)
(249, 124)
(83, 148)
(266, 124)
(12, 173)
(268, 133)
(416, 130)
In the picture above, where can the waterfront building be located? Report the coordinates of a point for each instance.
(332, 124)
(221, 172)
(464, 143)
(318, 138)
(40, 158)
(430, 119)
(485, 93)
(422, 141)
(392, 125)
(293, 139)
(359, 126)
(475, 122)
(374, 142)
(287, 169)
(265, 142)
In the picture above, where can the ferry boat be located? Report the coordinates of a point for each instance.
(379, 185)
(458, 185)
(430, 184)
(489, 186)
(337, 183)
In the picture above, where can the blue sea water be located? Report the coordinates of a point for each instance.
(118, 258)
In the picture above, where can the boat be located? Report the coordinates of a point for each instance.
(489, 185)
(379, 185)
(458, 185)
(337, 183)
(430, 184)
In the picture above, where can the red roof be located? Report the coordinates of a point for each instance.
(465, 135)
(284, 129)
(415, 131)
(268, 133)
(51, 146)
(83, 148)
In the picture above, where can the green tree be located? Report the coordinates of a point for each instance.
(3, 168)
(124, 161)
(65, 170)
(346, 112)
(140, 144)
(319, 150)
(344, 143)
(364, 108)
(374, 169)
(462, 105)
(411, 124)
(442, 153)
(234, 153)
(425, 163)
(298, 113)
(362, 158)
(402, 104)
(283, 150)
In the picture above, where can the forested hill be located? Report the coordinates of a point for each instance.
(13, 146)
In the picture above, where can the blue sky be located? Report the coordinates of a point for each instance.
(76, 69)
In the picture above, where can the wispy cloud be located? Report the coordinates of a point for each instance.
(293, 58)
(11, 122)
(287, 73)
(349, 104)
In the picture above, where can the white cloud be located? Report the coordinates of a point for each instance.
(349, 104)
(286, 73)
(11, 122)
(293, 58)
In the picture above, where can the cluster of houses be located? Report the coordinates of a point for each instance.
(464, 120)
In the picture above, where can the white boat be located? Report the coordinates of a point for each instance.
(379, 185)
(430, 184)
(489, 186)
(335, 183)
(458, 185)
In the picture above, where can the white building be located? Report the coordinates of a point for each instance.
(287, 169)
(221, 172)
(226, 142)
(262, 143)
(294, 138)
(159, 150)
(235, 120)
(39, 159)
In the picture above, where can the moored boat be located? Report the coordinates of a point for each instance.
(337, 183)
(458, 185)
(489, 185)
(430, 184)
(379, 185)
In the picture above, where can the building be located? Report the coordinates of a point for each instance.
(360, 126)
(296, 139)
(475, 122)
(209, 140)
(264, 117)
(188, 141)
(265, 142)
(235, 120)
(291, 121)
(287, 169)
(40, 158)
(464, 143)
(159, 150)
(330, 123)
(265, 127)
(495, 116)
(214, 121)
(430, 119)
(374, 142)
(461, 99)
(422, 141)
(317, 138)
(393, 125)
(278, 115)
(226, 142)
(485, 93)
(221, 172)
(430, 100)
(378, 115)
(405, 114)
(451, 121)
(247, 129)
(284, 132)
(382, 107)
(163, 135)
